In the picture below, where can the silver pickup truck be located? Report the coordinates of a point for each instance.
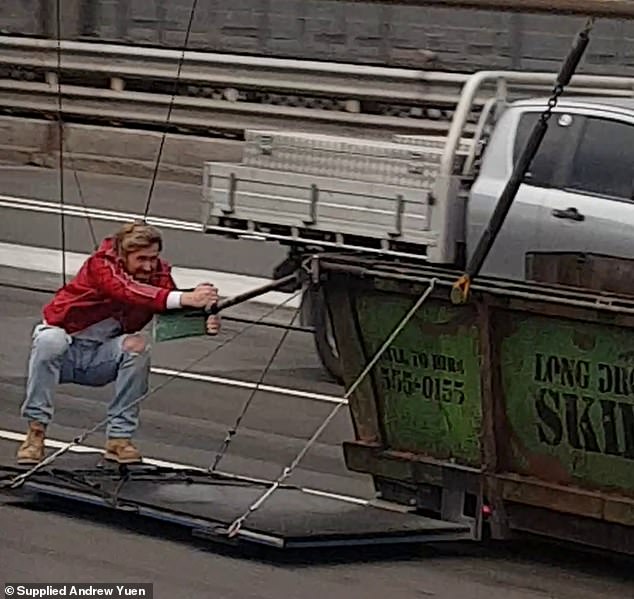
(429, 197)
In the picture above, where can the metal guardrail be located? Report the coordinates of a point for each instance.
(130, 86)
(230, 71)
(211, 116)
(242, 91)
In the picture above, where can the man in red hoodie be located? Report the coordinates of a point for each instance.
(90, 335)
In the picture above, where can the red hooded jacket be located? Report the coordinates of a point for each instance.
(103, 289)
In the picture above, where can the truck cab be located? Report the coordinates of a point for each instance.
(578, 194)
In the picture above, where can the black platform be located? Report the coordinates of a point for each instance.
(207, 505)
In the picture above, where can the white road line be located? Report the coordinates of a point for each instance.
(54, 444)
(49, 261)
(46, 260)
(44, 206)
(216, 380)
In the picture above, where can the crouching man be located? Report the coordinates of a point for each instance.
(91, 335)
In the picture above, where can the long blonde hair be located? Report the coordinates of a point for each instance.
(136, 235)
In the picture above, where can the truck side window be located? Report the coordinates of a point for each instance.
(543, 170)
(604, 161)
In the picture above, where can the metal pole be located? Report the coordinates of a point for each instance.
(241, 298)
(247, 295)
(461, 287)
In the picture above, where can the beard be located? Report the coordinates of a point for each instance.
(142, 277)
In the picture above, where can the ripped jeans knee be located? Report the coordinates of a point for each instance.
(135, 345)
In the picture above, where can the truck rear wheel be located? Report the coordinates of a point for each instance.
(316, 314)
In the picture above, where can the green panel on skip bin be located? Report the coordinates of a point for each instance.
(178, 325)
(569, 394)
(428, 381)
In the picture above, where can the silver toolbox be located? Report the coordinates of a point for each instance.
(432, 141)
(375, 161)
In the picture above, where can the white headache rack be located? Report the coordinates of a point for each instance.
(326, 190)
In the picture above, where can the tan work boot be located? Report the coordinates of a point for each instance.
(32, 449)
(122, 451)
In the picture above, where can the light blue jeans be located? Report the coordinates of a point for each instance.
(94, 358)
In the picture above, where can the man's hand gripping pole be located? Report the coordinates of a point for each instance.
(253, 293)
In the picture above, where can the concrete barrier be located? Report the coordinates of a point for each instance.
(382, 33)
(111, 150)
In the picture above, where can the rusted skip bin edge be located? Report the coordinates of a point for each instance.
(407, 467)
(363, 402)
(529, 297)
(570, 528)
(571, 500)
(552, 412)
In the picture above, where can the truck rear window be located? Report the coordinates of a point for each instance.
(604, 161)
(589, 154)
(543, 169)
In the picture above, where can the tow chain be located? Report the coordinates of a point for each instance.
(235, 527)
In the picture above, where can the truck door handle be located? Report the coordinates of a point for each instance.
(569, 213)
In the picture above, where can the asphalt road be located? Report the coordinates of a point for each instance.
(186, 421)
(43, 546)
(169, 200)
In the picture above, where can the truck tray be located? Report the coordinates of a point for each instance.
(206, 505)
(371, 160)
(292, 203)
